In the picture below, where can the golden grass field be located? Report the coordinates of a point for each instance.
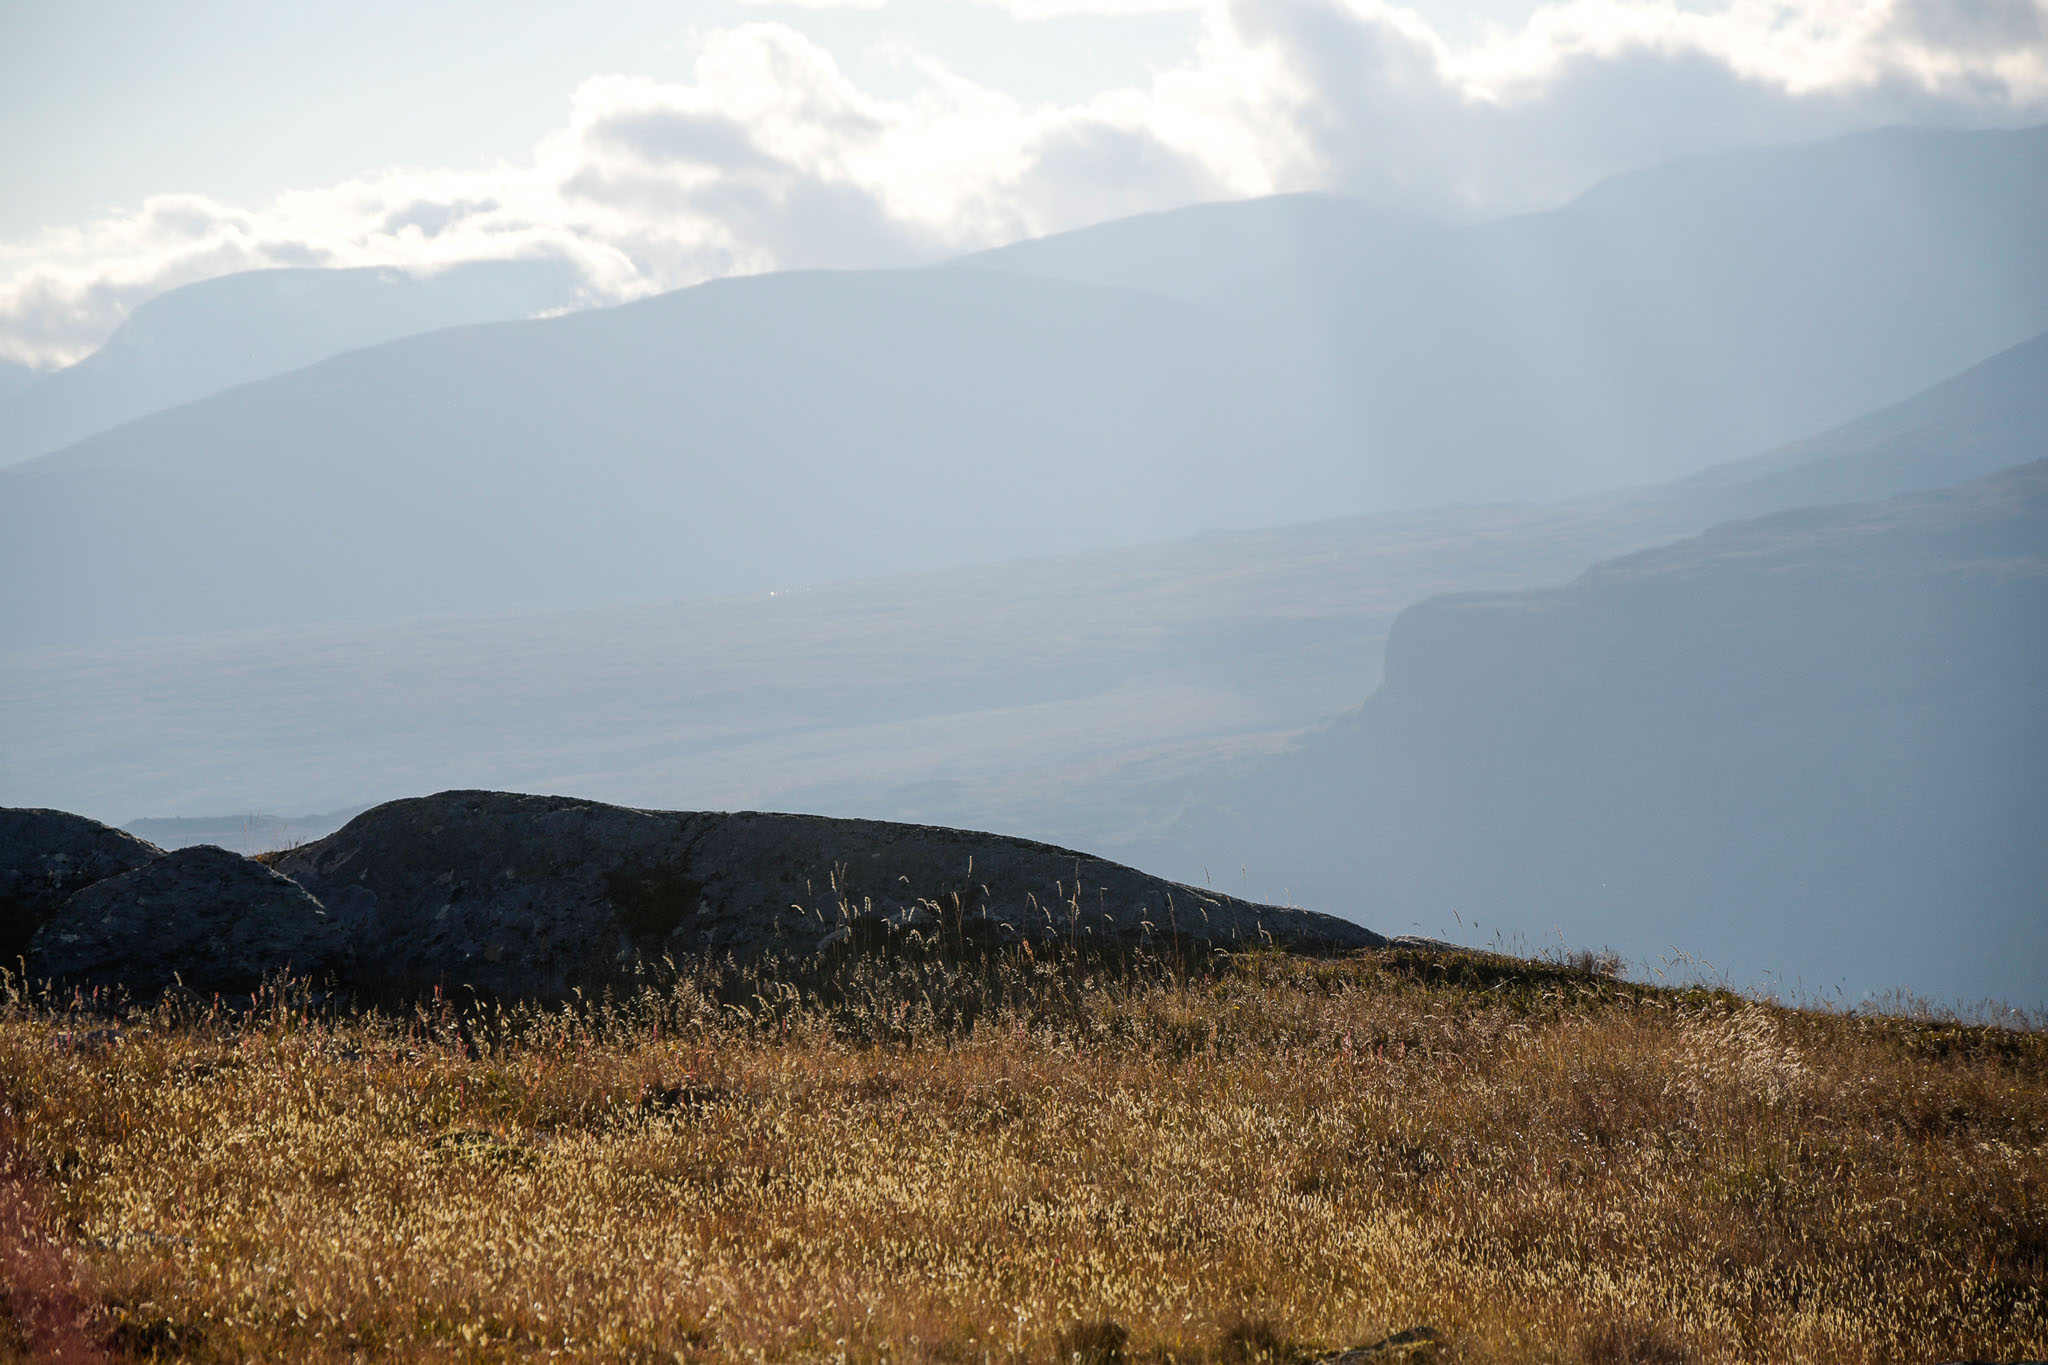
(1017, 1158)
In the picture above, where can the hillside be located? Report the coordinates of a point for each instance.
(1673, 317)
(1083, 698)
(229, 330)
(1808, 745)
(747, 434)
(818, 428)
(14, 378)
(1664, 320)
(1990, 417)
(1242, 1159)
(1199, 252)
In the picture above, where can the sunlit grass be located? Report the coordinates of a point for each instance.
(910, 1157)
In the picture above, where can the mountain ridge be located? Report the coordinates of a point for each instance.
(1079, 697)
(1197, 252)
(551, 462)
(1807, 744)
(1681, 315)
(814, 427)
(203, 338)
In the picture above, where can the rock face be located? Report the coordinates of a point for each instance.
(213, 919)
(1808, 748)
(534, 896)
(48, 856)
(531, 895)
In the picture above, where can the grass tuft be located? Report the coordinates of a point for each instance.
(1098, 1341)
(935, 1148)
(1256, 1341)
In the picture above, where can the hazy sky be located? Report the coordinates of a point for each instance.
(144, 145)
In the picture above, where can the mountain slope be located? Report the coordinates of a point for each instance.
(1811, 744)
(14, 378)
(1081, 698)
(812, 428)
(1673, 317)
(1662, 321)
(751, 433)
(1990, 417)
(218, 333)
(1196, 252)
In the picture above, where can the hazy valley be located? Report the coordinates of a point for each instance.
(264, 603)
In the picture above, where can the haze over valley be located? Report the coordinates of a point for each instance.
(1482, 529)
(1134, 700)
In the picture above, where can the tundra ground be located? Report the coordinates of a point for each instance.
(1000, 1156)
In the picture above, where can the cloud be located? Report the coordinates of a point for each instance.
(1588, 87)
(770, 156)
(431, 218)
(1108, 9)
(1985, 29)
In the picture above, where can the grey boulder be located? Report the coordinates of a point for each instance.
(533, 896)
(213, 920)
(47, 857)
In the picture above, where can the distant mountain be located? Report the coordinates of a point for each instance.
(1670, 318)
(1665, 320)
(1990, 417)
(209, 336)
(1811, 744)
(1080, 698)
(1198, 252)
(14, 378)
(750, 433)
(812, 428)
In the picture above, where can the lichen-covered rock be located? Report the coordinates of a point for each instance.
(533, 896)
(47, 857)
(213, 920)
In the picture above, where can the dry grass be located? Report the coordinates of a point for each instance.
(1007, 1158)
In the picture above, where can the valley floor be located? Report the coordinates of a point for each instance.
(1012, 1158)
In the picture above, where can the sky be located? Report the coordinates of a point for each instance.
(145, 145)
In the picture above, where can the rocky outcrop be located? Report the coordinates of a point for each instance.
(536, 896)
(213, 920)
(532, 896)
(47, 857)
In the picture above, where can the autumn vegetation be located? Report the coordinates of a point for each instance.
(932, 1153)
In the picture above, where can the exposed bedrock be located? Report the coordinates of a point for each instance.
(49, 856)
(535, 895)
(212, 920)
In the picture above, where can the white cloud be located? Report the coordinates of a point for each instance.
(1110, 9)
(770, 156)
(1587, 87)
